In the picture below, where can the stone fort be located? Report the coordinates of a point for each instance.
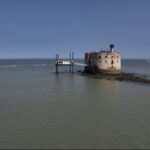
(104, 61)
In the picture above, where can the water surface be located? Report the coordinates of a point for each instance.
(39, 109)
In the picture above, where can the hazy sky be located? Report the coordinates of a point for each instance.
(40, 28)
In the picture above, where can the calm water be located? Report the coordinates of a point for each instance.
(39, 109)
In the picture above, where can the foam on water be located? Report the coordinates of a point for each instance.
(12, 66)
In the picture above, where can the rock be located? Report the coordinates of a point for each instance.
(120, 77)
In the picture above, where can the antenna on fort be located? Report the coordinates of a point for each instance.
(112, 47)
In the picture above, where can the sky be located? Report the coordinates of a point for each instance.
(42, 28)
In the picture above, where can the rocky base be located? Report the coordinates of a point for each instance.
(119, 77)
(96, 70)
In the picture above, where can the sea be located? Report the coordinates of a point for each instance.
(42, 110)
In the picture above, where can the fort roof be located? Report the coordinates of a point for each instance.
(102, 51)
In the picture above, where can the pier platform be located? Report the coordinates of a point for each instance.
(62, 62)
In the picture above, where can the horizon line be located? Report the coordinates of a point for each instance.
(54, 58)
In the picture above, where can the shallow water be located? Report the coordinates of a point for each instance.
(39, 109)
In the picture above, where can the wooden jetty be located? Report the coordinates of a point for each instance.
(68, 63)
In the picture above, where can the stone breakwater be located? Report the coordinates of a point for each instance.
(119, 77)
